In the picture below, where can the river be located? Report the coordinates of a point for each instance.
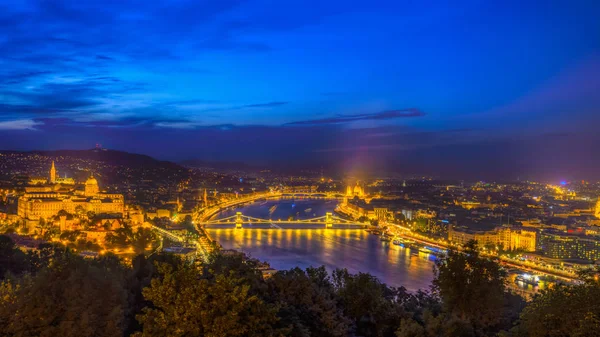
(354, 249)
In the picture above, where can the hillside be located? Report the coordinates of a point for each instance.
(112, 157)
(113, 166)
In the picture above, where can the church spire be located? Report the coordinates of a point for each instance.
(53, 173)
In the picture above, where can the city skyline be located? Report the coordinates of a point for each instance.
(481, 90)
(262, 168)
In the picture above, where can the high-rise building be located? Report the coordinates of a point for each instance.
(571, 247)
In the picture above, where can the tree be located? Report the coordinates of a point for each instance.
(369, 303)
(235, 265)
(45, 229)
(11, 258)
(563, 310)
(70, 297)
(91, 215)
(186, 304)
(308, 303)
(37, 259)
(410, 328)
(80, 211)
(472, 288)
(70, 236)
(141, 239)
(187, 223)
(121, 236)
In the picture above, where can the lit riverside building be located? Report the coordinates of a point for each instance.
(508, 238)
(571, 247)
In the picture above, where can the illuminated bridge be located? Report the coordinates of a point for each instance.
(201, 215)
(328, 220)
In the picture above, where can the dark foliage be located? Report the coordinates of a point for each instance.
(53, 292)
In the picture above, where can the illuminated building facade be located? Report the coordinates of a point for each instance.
(34, 206)
(380, 213)
(46, 203)
(53, 178)
(508, 238)
(53, 173)
(571, 247)
(91, 187)
(356, 191)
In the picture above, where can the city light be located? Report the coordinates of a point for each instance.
(288, 168)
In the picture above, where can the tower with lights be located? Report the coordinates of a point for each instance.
(53, 174)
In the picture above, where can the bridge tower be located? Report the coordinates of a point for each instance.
(328, 220)
(238, 220)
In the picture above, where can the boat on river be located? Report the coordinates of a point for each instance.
(376, 231)
(272, 209)
(527, 279)
(398, 243)
(424, 250)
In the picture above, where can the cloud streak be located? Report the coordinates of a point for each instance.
(19, 124)
(384, 115)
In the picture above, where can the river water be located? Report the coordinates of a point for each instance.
(354, 249)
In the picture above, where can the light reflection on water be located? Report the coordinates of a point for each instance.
(354, 249)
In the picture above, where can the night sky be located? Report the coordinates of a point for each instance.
(467, 89)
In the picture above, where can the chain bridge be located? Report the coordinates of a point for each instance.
(328, 220)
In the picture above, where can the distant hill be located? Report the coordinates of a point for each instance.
(113, 157)
(221, 165)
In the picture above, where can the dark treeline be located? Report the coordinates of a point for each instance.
(53, 292)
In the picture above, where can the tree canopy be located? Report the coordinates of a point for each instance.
(50, 291)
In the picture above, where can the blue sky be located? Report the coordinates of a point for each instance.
(401, 84)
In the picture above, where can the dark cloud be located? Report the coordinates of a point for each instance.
(131, 122)
(417, 152)
(16, 111)
(20, 77)
(389, 114)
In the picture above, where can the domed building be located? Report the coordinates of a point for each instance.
(91, 187)
(46, 202)
(356, 191)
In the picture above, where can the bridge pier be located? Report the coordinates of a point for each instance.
(238, 220)
(328, 220)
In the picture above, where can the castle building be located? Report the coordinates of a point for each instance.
(46, 203)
